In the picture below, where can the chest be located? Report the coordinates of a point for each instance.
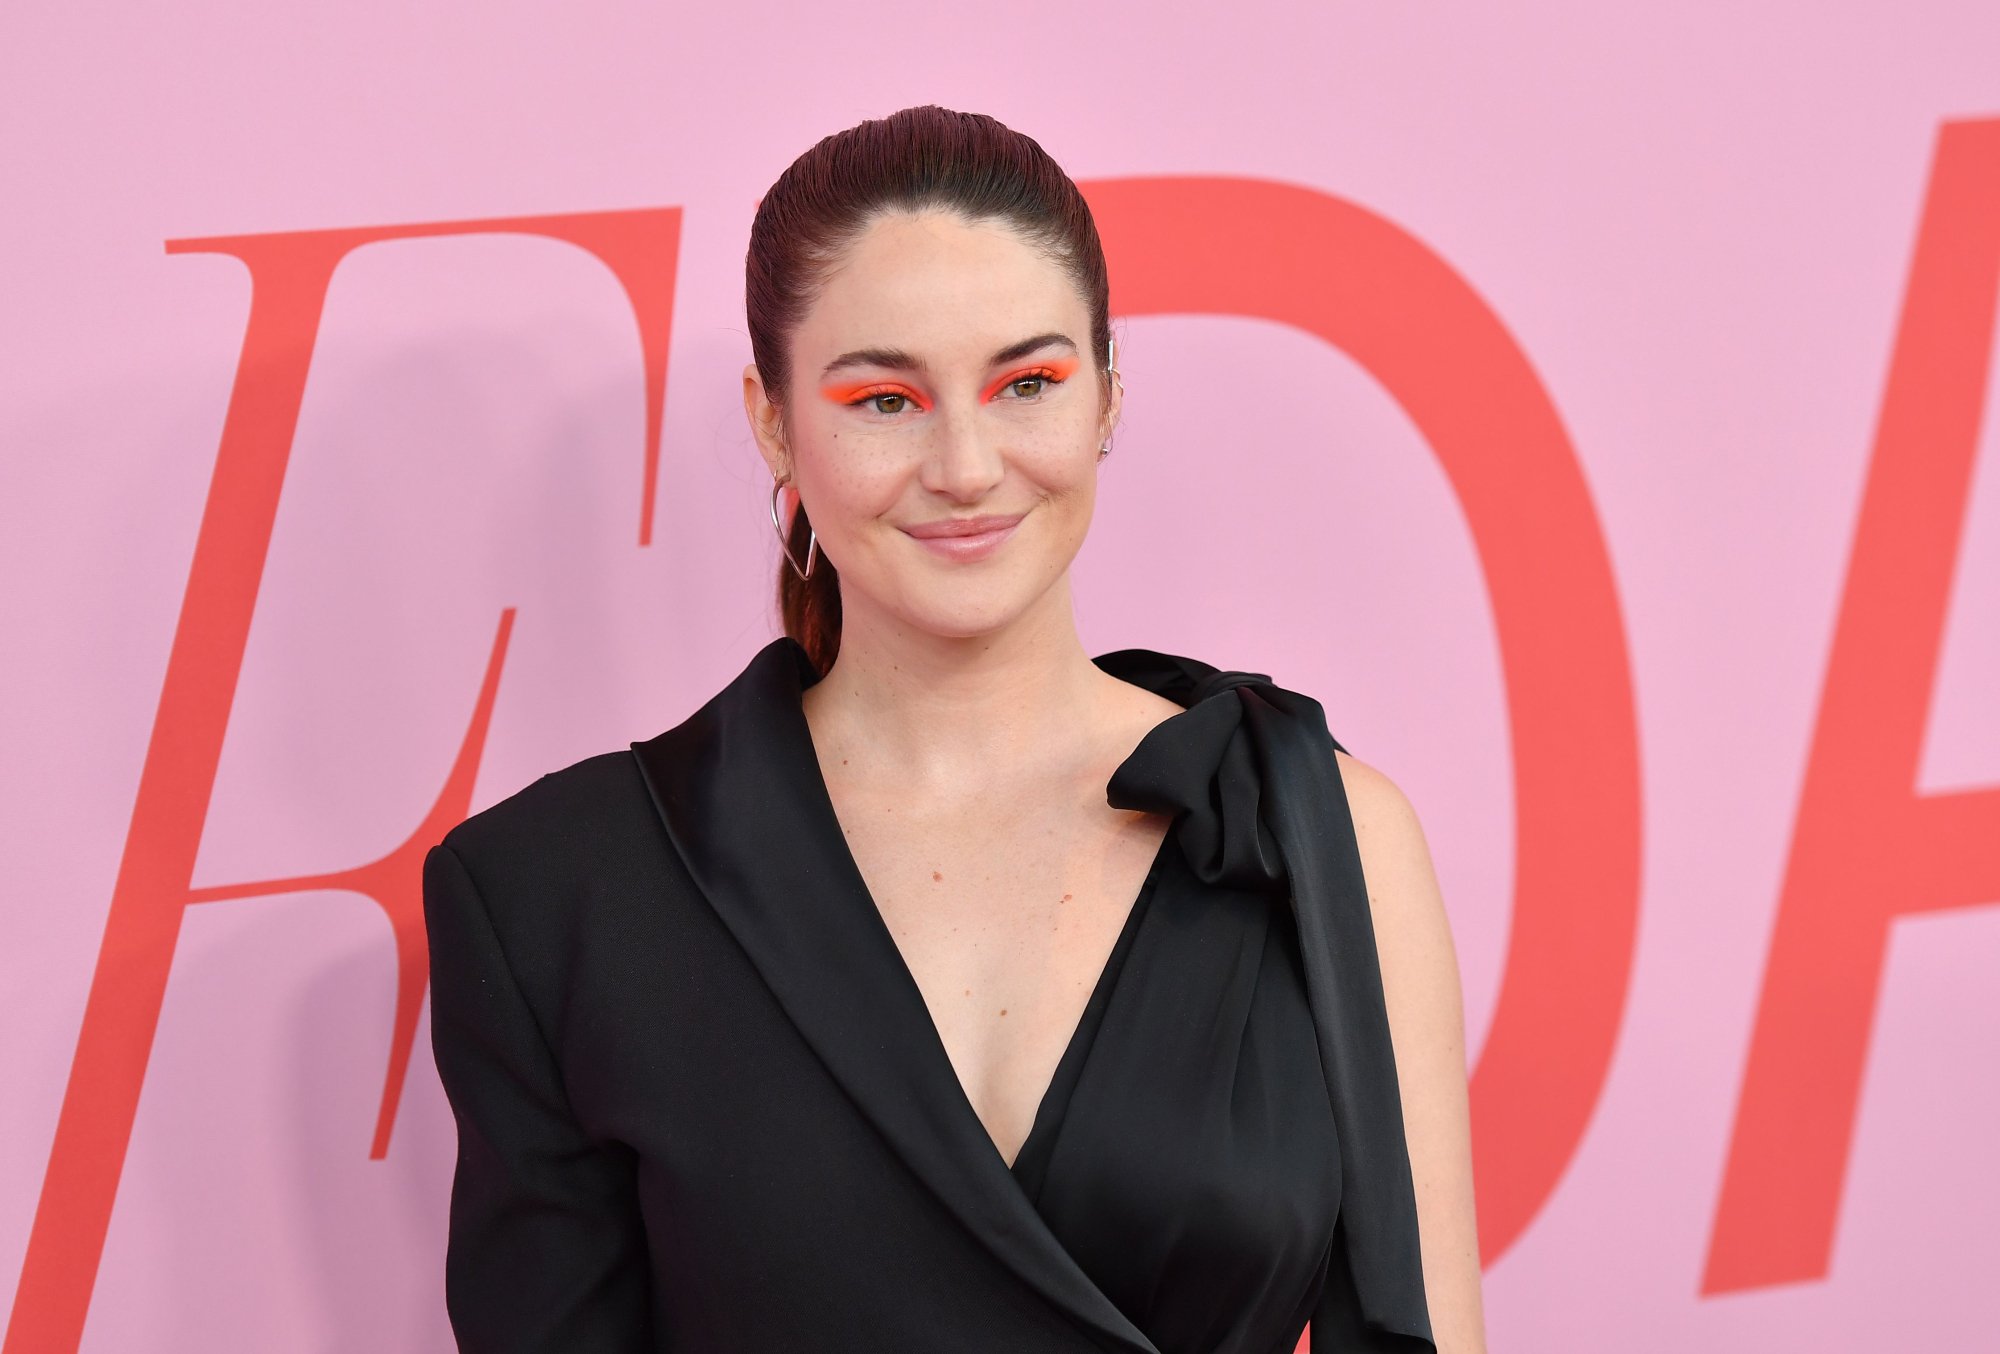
(1005, 912)
(787, 1106)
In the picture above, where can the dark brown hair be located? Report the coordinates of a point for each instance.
(925, 158)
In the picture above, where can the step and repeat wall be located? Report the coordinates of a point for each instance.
(1591, 406)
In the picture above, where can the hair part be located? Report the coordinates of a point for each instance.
(920, 159)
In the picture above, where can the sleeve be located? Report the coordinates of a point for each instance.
(546, 1250)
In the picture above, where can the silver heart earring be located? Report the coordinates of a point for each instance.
(812, 536)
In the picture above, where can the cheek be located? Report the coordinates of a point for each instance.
(1064, 468)
(853, 491)
(850, 476)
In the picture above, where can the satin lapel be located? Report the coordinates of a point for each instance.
(739, 788)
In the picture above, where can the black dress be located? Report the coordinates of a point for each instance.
(702, 1105)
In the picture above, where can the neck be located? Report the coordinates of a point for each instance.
(941, 714)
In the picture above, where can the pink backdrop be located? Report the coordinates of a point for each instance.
(1584, 403)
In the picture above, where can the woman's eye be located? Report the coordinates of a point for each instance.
(884, 402)
(1030, 385)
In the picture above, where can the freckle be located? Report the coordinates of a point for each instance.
(968, 991)
(936, 878)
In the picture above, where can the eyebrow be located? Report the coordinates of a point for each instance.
(1029, 345)
(897, 358)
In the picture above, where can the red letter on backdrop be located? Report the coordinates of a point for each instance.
(289, 274)
(1868, 848)
(1354, 279)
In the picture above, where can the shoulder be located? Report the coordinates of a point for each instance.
(1132, 711)
(564, 862)
(573, 814)
(545, 884)
(1403, 895)
(1413, 938)
(1383, 816)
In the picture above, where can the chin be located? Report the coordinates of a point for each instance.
(975, 611)
(961, 624)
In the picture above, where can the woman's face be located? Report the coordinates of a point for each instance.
(945, 373)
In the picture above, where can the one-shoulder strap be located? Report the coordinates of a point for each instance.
(1249, 769)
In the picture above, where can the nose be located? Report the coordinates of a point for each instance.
(965, 460)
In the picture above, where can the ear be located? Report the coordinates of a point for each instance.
(767, 423)
(1113, 408)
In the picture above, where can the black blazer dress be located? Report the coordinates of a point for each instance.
(702, 1106)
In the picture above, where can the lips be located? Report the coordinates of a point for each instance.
(963, 539)
(946, 527)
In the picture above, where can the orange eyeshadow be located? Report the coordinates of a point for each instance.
(858, 390)
(1062, 367)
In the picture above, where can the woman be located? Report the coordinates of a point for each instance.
(936, 986)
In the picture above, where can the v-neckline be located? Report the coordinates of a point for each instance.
(820, 796)
(733, 785)
(1246, 768)
(1049, 1116)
